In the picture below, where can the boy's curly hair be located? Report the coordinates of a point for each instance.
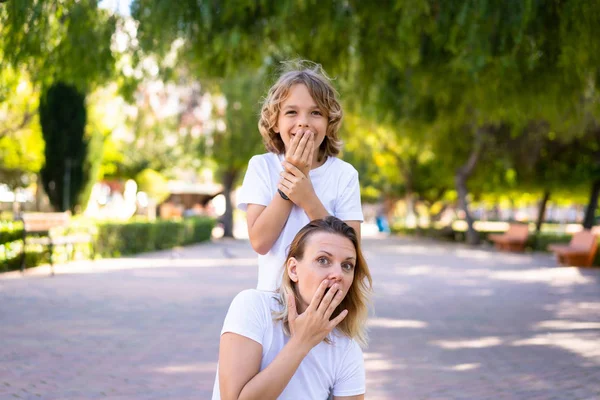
(322, 91)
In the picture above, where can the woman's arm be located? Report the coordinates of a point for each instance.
(240, 357)
(239, 365)
(357, 397)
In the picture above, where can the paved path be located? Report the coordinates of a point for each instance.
(450, 322)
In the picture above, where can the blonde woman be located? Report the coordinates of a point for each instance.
(303, 341)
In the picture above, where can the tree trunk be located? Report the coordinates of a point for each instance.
(227, 218)
(460, 180)
(542, 211)
(590, 212)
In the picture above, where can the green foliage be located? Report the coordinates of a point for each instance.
(67, 41)
(118, 239)
(63, 119)
(10, 231)
(154, 184)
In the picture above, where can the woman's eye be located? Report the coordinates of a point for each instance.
(322, 260)
(348, 266)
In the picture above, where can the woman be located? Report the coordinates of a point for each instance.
(301, 342)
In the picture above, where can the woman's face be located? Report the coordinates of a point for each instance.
(326, 256)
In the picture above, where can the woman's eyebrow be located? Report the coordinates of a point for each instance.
(331, 255)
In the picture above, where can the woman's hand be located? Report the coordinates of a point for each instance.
(312, 326)
(301, 151)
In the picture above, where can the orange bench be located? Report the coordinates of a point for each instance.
(580, 252)
(514, 239)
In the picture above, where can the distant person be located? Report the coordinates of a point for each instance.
(301, 342)
(300, 178)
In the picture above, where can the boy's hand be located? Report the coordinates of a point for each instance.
(301, 151)
(296, 185)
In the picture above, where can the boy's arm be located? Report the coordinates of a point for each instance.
(266, 223)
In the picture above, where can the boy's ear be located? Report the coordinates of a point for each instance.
(291, 268)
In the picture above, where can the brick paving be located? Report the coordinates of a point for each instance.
(449, 322)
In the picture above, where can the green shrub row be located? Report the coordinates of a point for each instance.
(112, 239)
(119, 239)
(10, 231)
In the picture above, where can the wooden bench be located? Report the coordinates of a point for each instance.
(38, 229)
(514, 239)
(580, 252)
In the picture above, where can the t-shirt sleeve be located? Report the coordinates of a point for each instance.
(255, 187)
(350, 380)
(246, 316)
(348, 207)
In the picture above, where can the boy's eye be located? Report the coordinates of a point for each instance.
(290, 112)
(316, 112)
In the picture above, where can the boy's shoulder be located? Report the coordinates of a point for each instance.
(342, 165)
(266, 159)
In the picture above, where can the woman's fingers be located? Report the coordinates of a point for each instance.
(335, 302)
(316, 300)
(328, 300)
(336, 321)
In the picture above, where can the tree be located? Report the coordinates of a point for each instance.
(231, 146)
(63, 119)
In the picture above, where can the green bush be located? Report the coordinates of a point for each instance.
(119, 239)
(10, 231)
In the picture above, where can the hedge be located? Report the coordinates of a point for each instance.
(111, 239)
(119, 239)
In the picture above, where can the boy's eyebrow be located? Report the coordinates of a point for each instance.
(295, 106)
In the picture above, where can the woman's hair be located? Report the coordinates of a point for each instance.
(356, 300)
(319, 86)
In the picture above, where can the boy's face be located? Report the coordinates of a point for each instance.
(298, 115)
(326, 256)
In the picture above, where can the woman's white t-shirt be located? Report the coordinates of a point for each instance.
(335, 184)
(336, 368)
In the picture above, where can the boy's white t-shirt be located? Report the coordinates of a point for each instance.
(336, 368)
(335, 184)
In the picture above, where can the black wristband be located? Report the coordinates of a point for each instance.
(283, 196)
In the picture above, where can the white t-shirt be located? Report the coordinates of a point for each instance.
(335, 184)
(337, 367)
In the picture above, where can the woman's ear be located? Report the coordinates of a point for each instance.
(291, 269)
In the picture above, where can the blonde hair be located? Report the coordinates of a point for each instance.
(357, 298)
(323, 93)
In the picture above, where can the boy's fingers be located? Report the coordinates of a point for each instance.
(292, 169)
(302, 144)
(308, 150)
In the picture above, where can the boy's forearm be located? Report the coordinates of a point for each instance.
(268, 226)
(315, 209)
(270, 382)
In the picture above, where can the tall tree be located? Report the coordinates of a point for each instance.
(63, 119)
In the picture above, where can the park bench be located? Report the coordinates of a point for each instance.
(514, 239)
(580, 252)
(38, 229)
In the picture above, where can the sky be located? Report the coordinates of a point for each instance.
(121, 6)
